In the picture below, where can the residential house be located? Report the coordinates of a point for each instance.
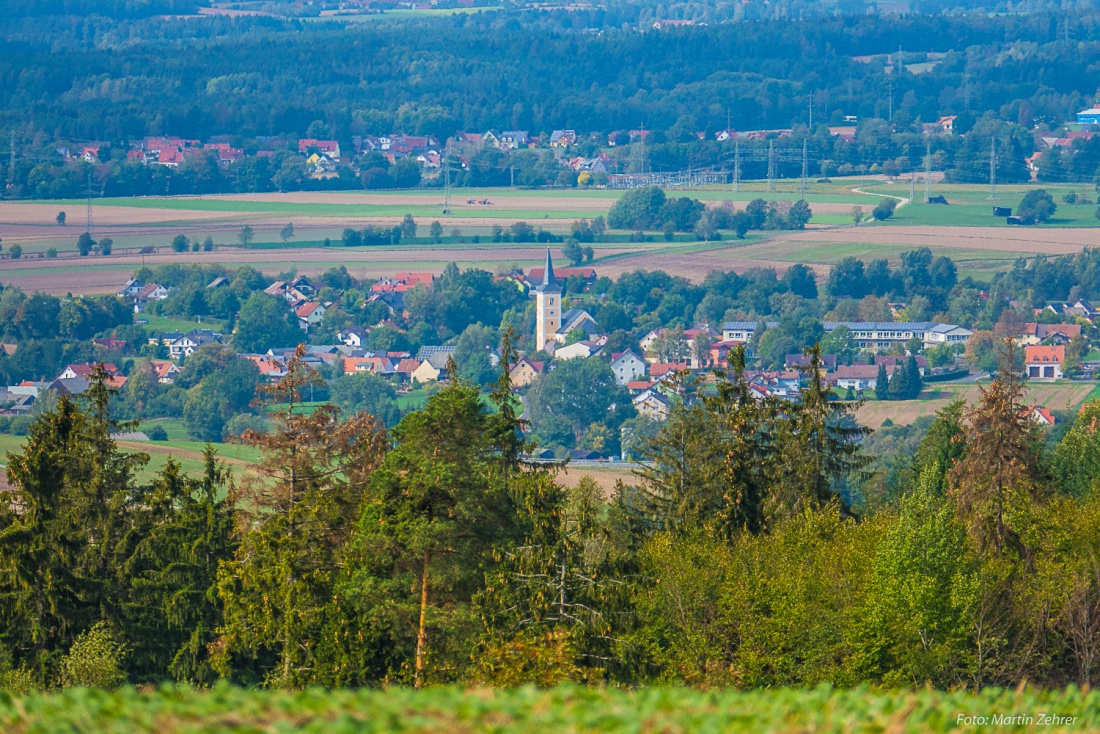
(659, 370)
(165, 370)
(433, 363)
(220, 282)
(310, 314)
(563, 138)
(132, 288)
(1040, 415)
(1044, 363)
(859, 376)
(86, 369)
(893, 362)
(582, 349)
(512, 140)
(186, 344)
(652, 404)
(525, 371)
(576, 319)
(353, 336)
(328, 148)
(802, 362)
(299, 289)
(490, 139)
(373, 364)
(627, 366)
(1033, 333)
(405, 368)
(150, 292)
(272, 369)
(109, 343)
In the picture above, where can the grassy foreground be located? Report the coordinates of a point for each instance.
(565, 709)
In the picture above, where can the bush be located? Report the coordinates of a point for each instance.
(16, 252)
(884, 210)
(93, 661)
(106, 245)
(242, 422)
(637, 208)
(1036, 206)
(52, 252)
(157, 433)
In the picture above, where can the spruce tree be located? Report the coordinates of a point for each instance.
(173, 611)
(281, 616)
(817, 444)
(996, 482)
(882, 384)
(914, 382)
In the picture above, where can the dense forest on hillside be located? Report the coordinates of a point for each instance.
(101, 79)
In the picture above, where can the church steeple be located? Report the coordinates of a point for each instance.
(548, 273)
(549, 282)
(547, 305)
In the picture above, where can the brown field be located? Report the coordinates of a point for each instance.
(105, 275)
(1040, 241)
(1056, 396)
(605, 477)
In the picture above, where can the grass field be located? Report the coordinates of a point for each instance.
(823, 710)
(166, 323)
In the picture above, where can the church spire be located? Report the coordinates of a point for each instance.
(548, 272)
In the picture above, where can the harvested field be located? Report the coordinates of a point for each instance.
(604, 477)
(1056, 396)
(105, 275)
(1025, 241)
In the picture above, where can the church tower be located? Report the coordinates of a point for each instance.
(547, 306)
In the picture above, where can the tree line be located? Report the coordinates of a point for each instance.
(742, 554)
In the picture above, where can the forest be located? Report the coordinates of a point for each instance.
(97, 78)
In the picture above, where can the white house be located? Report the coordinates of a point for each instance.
(583, 349)
(627, 366)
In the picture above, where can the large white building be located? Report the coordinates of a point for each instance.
(868, 334)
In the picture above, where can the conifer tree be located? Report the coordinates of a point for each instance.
(817, 444)
(882, 383)
(297, 522)
(173, 611)
(995, 483)
(63, 528)
(432, 517)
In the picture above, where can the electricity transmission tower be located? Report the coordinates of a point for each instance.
(447, 178)
(802, 181)
(771, 165)
(993, 168)
(736, 165)
(88, 226)
(927, 172)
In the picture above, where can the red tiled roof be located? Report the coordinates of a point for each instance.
(1040, 354)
